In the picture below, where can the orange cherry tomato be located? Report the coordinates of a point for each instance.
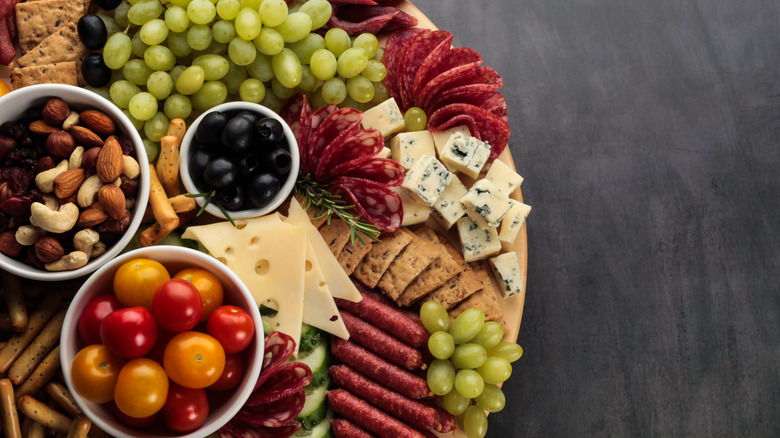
(95, 372)
(209, 287)
(142, 388)
(136, 281)
(4, 88)
(194, 360)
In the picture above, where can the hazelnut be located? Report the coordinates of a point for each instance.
(89, 160)
(5, 191)
(44, 164)
(48, 249)
(119, 226)
(7, 144)
(60, 144)
(8, 244)
(55, 111)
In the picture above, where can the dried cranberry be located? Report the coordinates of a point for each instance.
(26, 157)
(127, 145)
(4, 219)
(19, 205)
(18, 179)
(13, 129)
(7, 144)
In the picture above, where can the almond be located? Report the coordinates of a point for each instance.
(92, 216)
(98, 122)
(55, 111)
(60, 144)
(89, 160)
(109, 160)
(42, 128)
(85, 137)
(5, 191)
(67, 183)
(113, 201)
(48, 249)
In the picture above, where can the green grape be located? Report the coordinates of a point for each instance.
(160, 85)
(475, 422)
(441, 376)
(287, 68)
(228, 9)
(156, 127)
(455, 403)
(319, 11)
(190, 80)
(102, 91)
(469, 356)
(251, 90)
(269, 42)
(415, 119)
(143, 106)
(272, 102)
(152, 148)
(159, 58)
(215, 48)
(381, 93)
(337, 41)
(360, 89)
(153, 32)
(223, 31)
(251, 4)
(111, 26)
(137, 72)
(380, 54)
(495, 370)
(248, 23)
(367, 42)
(176, 19)
(177, 106)
(144, 11)
(308, 81)
(334, 91)
(214, 66)
(261, 68)
(306, 47)
(138, 46)
(121, 92)
(434, 317)
(352, 62)
(211, 94)
(176, 72)
(323, 64)
(273, 12)
(201, 11)
(117, 50)
(234, 77)
(180, 3)
(199, 37)
(137, 124)
(492, 398)
(241, 51)
(491, 332)
(120, 15)
(375, 71)
(467, 325)
(441, 345)
(116, 75)
(317, 101)
(177, 42)
(352, 103)
(469, 383)
(280, 90)
(508, 350)
(295, 27)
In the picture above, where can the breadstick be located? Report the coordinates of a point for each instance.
(80, 427)
(37, 430)
(16, 345)
(40, 347)
(182, 204)
(43, 414)
(163, 212)
(5, 323)
(168, 164)
(59, 394)
(177, 128)
(45, 371)
(17, 310)
(8, 407)
(26, 425)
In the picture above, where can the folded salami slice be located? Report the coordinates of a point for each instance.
(378, 204)
(394, 51)
(357, 144)
(486, 77)
(278, 348)
(238, 429)
(482, 123)
(437, 65)
(284, 381)
(492, 101)
(357, 19)
(276, 414)
(333, 128)
(384, 171)
(400, 21)
(416, 53)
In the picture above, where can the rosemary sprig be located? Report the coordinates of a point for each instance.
(325, 204)
(209, 199)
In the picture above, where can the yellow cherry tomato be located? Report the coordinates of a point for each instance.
(142, 388)
(95, 372)
(4, 88)
(136, 281)
(209, 287)
(194, 360)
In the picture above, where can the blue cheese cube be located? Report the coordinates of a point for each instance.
(448, 209)
(407, 147)
(440, 138)
(485, 204)
(464, 153)
(513, 221)
(506, 179)
(479, 160)
(386, 117)
(427, 179)
(477, 243)
(415, 212)
(507, 271)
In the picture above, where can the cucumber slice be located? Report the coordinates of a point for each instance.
(321, 430)
(171, 239)
(310, 338)
(318, 361)
(315, 407)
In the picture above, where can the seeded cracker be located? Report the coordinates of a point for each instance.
(36, 20)
(336, 235)
(417, 256)
(443, 268)
(63, 45)
(349, 258)
(485, 299)
(59, 73)
(382, 254)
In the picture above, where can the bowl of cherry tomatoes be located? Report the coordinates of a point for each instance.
(162, 341)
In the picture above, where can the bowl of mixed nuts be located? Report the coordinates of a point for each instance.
(74, 182)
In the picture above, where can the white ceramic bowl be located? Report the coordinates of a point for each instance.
(174, 259)
(12, 107)
(287, 185)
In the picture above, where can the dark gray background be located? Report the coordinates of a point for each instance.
(648, 133)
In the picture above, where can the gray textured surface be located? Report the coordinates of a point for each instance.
(649, 136)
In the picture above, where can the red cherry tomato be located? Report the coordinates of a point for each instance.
(92, 316)
(232, 327)
(157, 352)
(137, 423)
(232, 375)
(129, 333)
(186, 409)
(177, 305)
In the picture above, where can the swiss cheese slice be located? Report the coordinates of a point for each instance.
(319, 309)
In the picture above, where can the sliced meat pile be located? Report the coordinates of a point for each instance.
(449, 84)
(359, 16)
(334, 150)
(7, 30)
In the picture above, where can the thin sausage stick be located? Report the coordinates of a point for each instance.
(45, 371)
(43, 414)
(40, 347)
(11, 424)
(17, 310)
(16, 345)
(80, 427)
(59, 394)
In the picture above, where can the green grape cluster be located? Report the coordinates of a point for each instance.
(471, 360)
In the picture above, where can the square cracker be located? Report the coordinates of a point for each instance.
(414, 259)
(63, 45)
(336, 235)
(456, 289)
(37, 20)
(443, 268)
(382, 254)
(352, 254)
(486, 300)
(59, 73)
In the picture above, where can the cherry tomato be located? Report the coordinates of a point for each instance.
(129, 333)
(194, 360)
(142, 388)
(95, 372)
(137, 423)
(136, 281)
(92, 316)
(231, 375)
(232, 327)
(177, 305)
(211, 292)
(4, 88)
(157, 352)
(186, 408)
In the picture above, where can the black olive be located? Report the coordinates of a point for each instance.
(248, 164)
(220, 173)
(209, 130)
(95, 71)
(268, 131)
(108, 5)
(276, 160)
(237, 135)
(92, 31)
(249, 115)
(198, 162)
(261, 188)
(231, 197)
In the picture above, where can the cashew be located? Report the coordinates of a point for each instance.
(74, 162)
(98, 249)
(88, 191)
(45, 180)
(27, 235)
(59, 221)
(51, 202)
(117, 182)
(72, 120)
(130, 167)
(69, 262)
(85, 239)
(129, 203)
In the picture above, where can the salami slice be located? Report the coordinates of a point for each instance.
(357, 19)
(238, 429)
(456, 77)
(278, 348)
(492, 101)
(354, 2)
(281, 383)
(400, 21)
(342, 428)
(334, 127)
(358, 144)
(482, 123)
(384, 171)
(437, 65)
(277, 414)
(394, 50)
(416, 53)
(379, 205)
(368, 417)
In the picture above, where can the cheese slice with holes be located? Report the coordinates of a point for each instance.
(319, 309)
